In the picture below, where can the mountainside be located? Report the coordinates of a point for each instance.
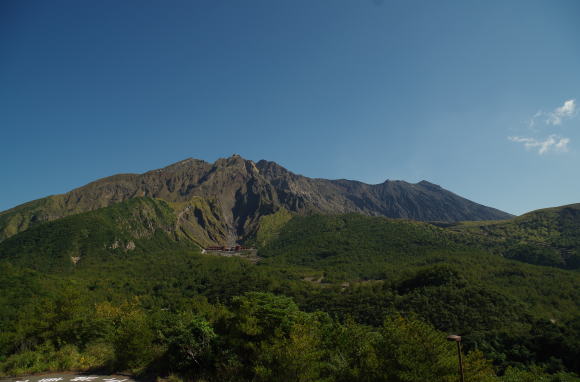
(548, 236)
(132, 228)
(86, 287)
(80, 286)
(236, 192)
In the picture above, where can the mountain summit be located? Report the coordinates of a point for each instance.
(229, 196)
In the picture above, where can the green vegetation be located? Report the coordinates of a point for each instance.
(89, 239)
(26, 215)
(545, 237)
(270, 226)
(334, 298)
(199, 220)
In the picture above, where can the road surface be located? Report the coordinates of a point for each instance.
(71, 377)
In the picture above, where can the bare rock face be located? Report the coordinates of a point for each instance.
(236, 192)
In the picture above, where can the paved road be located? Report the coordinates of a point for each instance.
(70, 378)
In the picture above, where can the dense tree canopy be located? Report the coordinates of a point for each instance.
(334, 298)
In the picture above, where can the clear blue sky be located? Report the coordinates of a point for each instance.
(480, 97)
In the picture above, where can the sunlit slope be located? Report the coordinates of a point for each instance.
(546, 237)
(131, 228)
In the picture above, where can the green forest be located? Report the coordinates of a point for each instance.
(333, 298)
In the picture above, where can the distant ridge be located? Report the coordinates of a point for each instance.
(234, 193)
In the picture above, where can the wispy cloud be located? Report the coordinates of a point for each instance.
(552, 143)
(566, 111)
(538, 114)
(548, 120)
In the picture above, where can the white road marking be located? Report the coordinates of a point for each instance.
(75, 378)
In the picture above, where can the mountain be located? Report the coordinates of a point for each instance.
(228, 198)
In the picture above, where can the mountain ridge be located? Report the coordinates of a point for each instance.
(241, 191)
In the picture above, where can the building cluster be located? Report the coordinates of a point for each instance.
(235, 248)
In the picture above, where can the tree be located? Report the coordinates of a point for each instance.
(133, 341)
(190, 343)
(412, 350)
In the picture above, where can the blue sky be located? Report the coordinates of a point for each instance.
(480, 97)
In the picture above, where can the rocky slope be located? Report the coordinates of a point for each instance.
(234, 193)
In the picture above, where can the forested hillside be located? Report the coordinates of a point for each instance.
(545, 237)
(333, 298)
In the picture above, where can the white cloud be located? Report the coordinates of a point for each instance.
(552, 143)
(566, 111)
